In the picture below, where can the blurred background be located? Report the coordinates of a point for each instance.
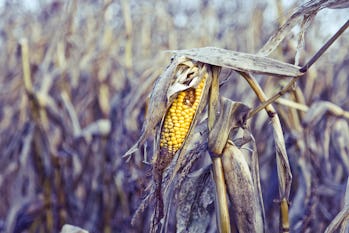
(92, 66)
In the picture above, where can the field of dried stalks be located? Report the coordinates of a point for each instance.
(74, 86)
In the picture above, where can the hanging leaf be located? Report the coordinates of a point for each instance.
(240, 61)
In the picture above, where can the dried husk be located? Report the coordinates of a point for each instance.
(340, 139)
(248, 212)
(241, 190)
(172, 81)
(179, 161)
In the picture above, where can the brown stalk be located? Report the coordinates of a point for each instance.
(285, 225)
(222, 201)
(218, 174)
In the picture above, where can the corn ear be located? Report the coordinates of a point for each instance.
(160, 99)
(179, 118)
(201, 82)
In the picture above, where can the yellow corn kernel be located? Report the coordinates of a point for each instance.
(179, 119)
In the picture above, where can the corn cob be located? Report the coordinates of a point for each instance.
(179, 118)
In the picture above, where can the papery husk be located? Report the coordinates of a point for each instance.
(242, 194)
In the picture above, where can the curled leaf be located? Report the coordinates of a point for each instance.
(232, 114)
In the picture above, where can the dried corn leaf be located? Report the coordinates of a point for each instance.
(240, 61)
(28, 213)
(256, 180)
(283, 166)
(304, 25)
(307, 10)
(242, 194)
(301, 198)
(345, 225)
(98, 128)
(338, 4)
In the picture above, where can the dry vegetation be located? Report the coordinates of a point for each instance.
(67, 118)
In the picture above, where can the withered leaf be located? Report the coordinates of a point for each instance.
(308, 10)
(240, 61)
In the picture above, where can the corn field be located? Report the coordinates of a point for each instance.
(174, 116)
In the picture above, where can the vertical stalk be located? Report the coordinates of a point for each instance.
(218, 175)
(285, 225)
(222, 201)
